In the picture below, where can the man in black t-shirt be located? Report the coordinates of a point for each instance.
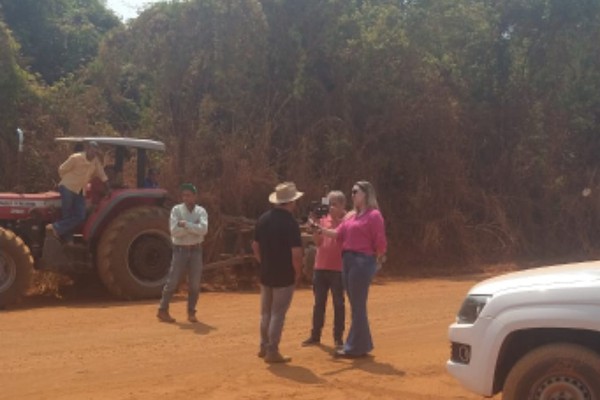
(278, 248)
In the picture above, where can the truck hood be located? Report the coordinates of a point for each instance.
(580, 274)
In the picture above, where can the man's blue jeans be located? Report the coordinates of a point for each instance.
(185, 259)
(323, 282)
(73, 213)
(274, 303)
(357, 275)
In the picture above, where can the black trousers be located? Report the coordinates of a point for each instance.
(325, 281)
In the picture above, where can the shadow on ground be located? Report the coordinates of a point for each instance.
(295, 373)
(368, 364)
(199, 328)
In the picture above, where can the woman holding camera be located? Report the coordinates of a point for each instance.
(363, 242)
(327, 274)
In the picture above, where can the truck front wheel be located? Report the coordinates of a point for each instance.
(16, 266)
(134, 253)
(555, 372)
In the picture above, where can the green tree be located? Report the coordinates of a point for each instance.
(16, 86)
(477, 120)
(58, 36)
(193, 74)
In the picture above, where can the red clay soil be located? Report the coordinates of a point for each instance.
(101, 349)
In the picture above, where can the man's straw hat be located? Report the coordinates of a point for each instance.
(285, 192)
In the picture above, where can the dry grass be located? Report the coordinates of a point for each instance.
(49, 284)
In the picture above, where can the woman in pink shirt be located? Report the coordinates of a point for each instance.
(363, 241)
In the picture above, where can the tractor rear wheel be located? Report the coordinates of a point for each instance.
(134, 253)
(16, 266)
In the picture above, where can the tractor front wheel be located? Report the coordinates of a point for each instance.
(16, 266)
(134, 253)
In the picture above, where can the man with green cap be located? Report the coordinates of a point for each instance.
(188, 224)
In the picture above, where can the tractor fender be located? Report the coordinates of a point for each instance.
(118, 202)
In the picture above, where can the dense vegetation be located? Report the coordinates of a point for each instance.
(477, 120)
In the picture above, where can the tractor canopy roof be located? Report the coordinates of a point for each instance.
(121, 153)
(145, 144)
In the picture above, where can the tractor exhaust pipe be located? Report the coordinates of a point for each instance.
(21, 138)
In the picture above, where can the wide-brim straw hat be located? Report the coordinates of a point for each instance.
(285, 192)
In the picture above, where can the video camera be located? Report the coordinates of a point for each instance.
(319, 209)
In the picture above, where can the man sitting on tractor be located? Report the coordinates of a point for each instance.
(151, 180)
(75, 173)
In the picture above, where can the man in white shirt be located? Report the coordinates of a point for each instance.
(189, 224)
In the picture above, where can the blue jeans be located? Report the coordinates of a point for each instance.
(323, 282)
(357, 275)
(184, 260)
(72, 213)
(274, 304)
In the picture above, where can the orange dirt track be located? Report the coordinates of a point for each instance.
(101, 349)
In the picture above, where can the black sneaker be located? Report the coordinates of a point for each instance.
(311, 341)
(339, 344)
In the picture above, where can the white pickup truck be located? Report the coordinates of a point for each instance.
(531, 335)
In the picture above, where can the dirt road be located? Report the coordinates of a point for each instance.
(108, 350)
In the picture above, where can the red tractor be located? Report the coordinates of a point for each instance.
(125, 237)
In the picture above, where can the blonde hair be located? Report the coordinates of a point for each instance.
(338, 196)
(370, 195)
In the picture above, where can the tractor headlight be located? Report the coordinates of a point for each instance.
(471, 308)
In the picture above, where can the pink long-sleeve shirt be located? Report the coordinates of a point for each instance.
(363, 233)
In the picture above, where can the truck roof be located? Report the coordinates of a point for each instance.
(116, 141)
